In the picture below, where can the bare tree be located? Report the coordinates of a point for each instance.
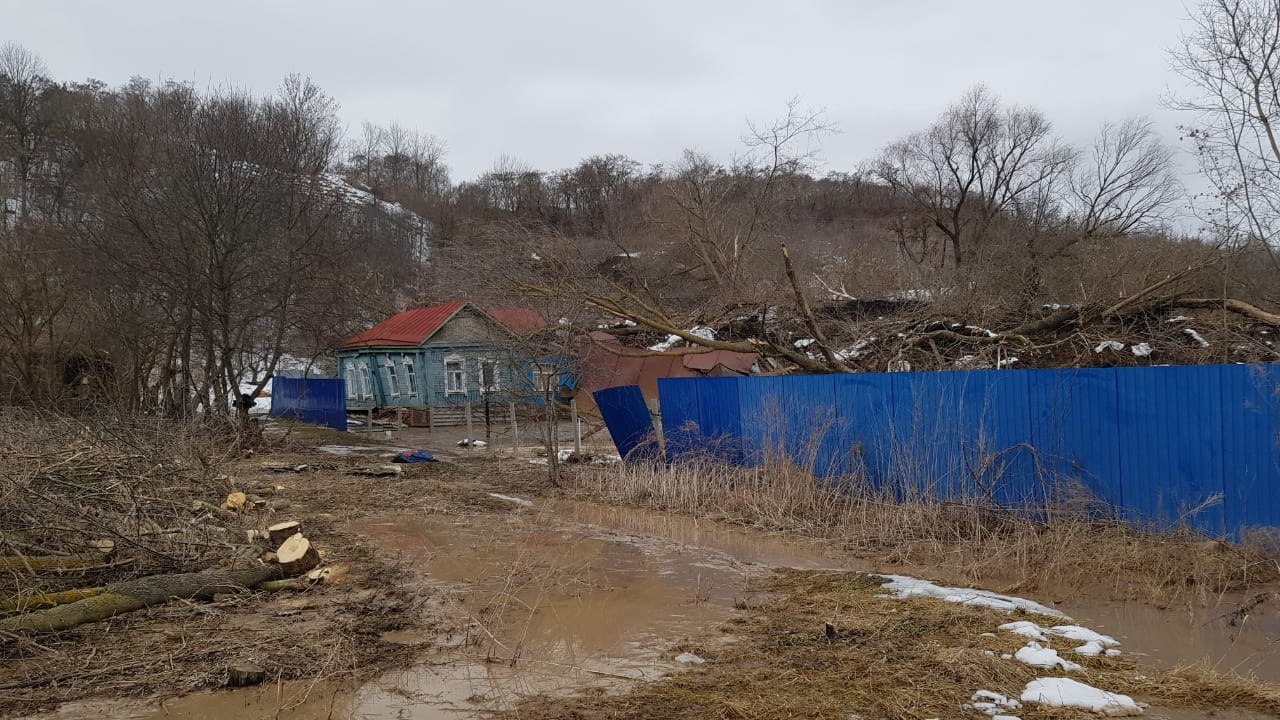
(978, 161)
(1231, 58)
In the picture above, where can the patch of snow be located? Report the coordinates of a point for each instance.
(1179, 318)
(992, 703)
(1196, 337)
(510, 499)
(535, 257)
(898, 366)
(666, 344)
(479, 444)
(904, 587)
(1007, 361)
(1024, 628)
(1112, 652)
(918, 294)
(1068, 693)
(1141, 349)
(803, 343)
(1091, 649)
(1033, 631)
(688, 657)
(1082, 634)
(1036, 655)
(632, 255)
(705, 333)
(1109, 345)
(855, 349)
(352, 449)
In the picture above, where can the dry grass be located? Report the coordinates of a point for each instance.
(885, 659)
(973, 541)
(67, 482)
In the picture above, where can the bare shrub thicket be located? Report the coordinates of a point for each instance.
(139, 484)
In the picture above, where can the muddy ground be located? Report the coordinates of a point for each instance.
(472, 587)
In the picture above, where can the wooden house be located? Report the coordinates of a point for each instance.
(444, 357)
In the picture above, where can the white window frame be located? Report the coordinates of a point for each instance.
(410, 377)
(366, 390)
(449, 374)
(496, 378)
(393, 382)
(349, 377)
(544, 379)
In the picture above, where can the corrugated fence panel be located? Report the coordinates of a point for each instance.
(1196, 444)
(322, 401)
(1171, 429)
(720, 418)
(627, 417)
(681, 432)
(996, 459)
(926, 435)
(1075, 431)
(864, 402)
(1250, 418)
(793, 416)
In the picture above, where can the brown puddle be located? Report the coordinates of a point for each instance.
(570, 596)
(1168, 638)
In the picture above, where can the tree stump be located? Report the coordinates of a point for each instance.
(297, 556)
(244, 675)
(280, 532)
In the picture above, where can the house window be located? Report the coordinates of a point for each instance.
(393, 383)
(455, 376)
(543, 379)
(410, 380)
(350, 375)
(488, 375)
(365, 391)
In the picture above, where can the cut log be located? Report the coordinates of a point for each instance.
(130, 595)
(245, 675)
(25, 603)
(234, 501)
(283, 531)
(296, 556)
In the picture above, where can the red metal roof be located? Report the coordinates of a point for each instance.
(409, 328)
(518, 320)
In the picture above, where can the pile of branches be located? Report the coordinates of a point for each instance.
(89, 501)
(1165, 322)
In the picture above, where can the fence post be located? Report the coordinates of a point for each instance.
(515, 430)
(577, 426)
(467, 410)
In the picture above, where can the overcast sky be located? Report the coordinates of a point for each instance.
(552, 81)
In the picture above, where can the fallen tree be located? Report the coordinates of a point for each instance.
(130, 595)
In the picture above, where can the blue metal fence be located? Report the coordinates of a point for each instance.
(627, 417)
(1157, 445)
(322, 401)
